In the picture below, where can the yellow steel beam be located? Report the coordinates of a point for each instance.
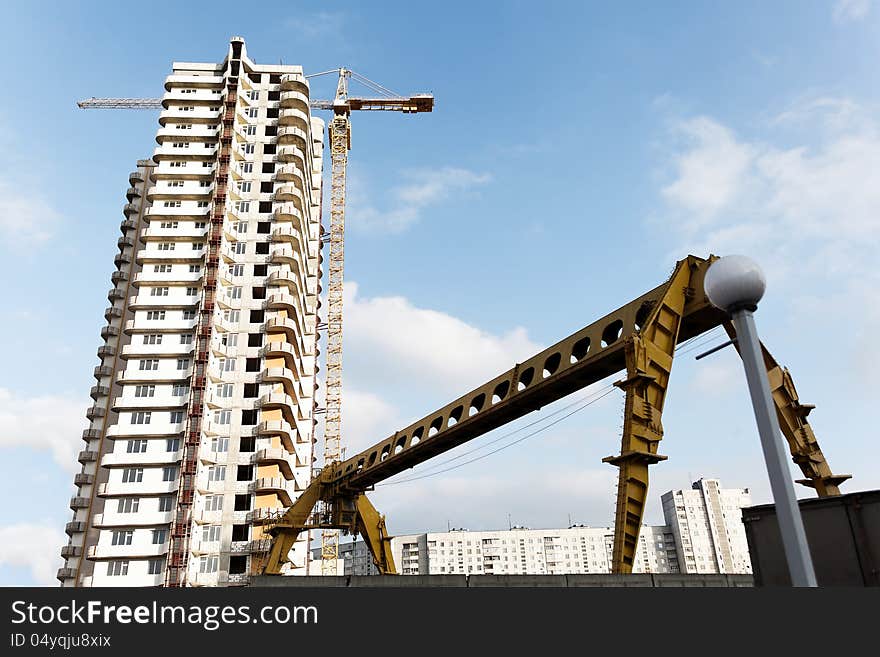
(649, 355)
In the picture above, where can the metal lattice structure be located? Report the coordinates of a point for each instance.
(340, 139)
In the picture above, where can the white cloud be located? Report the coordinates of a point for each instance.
(48, 422)
(366, 417)
(845, 11)
(317, 25)
(25, 218)
(710, 171)
(429, 349)
(421, 189)
(32, 546)
(732, 195)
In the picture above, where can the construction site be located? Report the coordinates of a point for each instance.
(215, 453)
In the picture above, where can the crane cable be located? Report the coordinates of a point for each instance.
(601, 392)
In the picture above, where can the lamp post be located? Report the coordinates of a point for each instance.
(736, 284)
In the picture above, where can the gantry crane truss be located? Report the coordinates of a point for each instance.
(639, 337)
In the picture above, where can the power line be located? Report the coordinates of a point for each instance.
(495, 451)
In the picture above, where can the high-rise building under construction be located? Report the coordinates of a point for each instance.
(202, 425)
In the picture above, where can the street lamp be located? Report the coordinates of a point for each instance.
(736, 284)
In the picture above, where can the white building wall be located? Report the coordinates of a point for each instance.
(257, 429)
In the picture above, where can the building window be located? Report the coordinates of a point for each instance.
(169, 473)
(150, 364)
(166, 503)
(210, 533)
(224, 389)
(132, 475)
(154, 315)
(136, 446)
(189, 314)
(217, 473)
(208, 563)
(177, 417)
(247, 167)
(165, 246)
(237, 270)
(213, 502)
(222, 417)
(169, 224)
(141, 417)
(122, 537)
(145, 391)
(117, 568)
(171, 204)
(153, 338)
(220, 444)
(186, 338)
(128, 505)
(159, 292)
(195, 268)
(155, 566)
(172, 444)
(191, 292)
(240, 248)
(182, 363)
(179, 389)
(162, 269)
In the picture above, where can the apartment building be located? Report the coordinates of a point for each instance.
(518, 551)
(707, 524)
(704, 533)
(202, 425)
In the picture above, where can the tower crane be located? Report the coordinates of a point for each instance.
(339, 136)
(640, 338)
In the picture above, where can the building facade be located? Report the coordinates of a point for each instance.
(707, 524)
(704, 533)
(202, 425)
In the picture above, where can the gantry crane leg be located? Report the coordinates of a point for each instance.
(289, 527)
(371, 525)
(798, 433)
(649, 356)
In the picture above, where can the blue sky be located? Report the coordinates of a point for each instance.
(575, 152)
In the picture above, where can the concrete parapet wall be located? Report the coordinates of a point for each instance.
(506, 581)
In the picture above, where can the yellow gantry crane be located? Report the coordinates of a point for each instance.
(339, 136)
(640, 338)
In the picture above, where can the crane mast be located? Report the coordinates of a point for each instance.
(340, 142)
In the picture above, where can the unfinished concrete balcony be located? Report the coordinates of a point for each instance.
(112, 312)
(283, 430)
(121, 259)
(84, 479)
(126, 225)
(132, 193)
(77, 502)
(74, 527)
(108, 332)
(106, 351)
(95, 412)
(295, 82)
(277, 485)
(65, 574)
(288, 192)
(292, 144)
(69, 551)
(87, 456)
(265, 515)
(294, 117)
(136, 178)
(132, 208)
(286, 377)
(101, 371)
(99, 391)
(280, 401)
(294, 171)
(275, 456)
